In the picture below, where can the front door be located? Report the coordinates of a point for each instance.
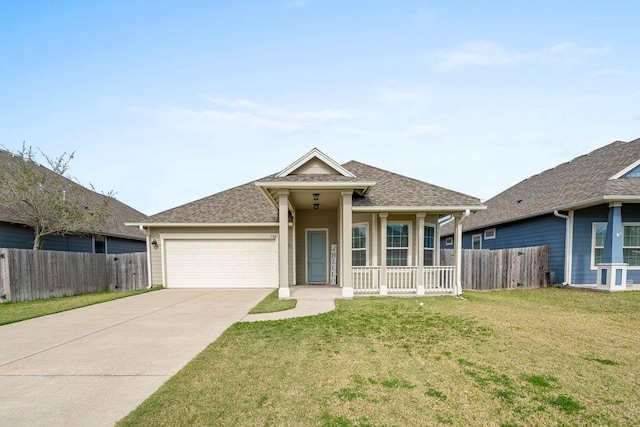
(316, 256)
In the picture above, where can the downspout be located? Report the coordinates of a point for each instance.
(458, 251)
(568, 245)
(147, 234)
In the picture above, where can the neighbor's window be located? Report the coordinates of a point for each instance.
(398, 244)
(490, 234)
(630, 243)
(476, 241)
(448, 241)
(359, 245)
(429, 244)
(599, 232)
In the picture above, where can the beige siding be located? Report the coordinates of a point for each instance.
(156, 254)
(312, 219)
(314, 167)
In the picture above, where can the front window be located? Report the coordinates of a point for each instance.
(359, 245)
(476, 241)
(429, 244)
(398, 244)
(630, 243)
(599, 232)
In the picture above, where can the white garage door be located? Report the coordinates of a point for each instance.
(224, 263)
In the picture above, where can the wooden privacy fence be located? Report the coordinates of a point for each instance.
(29, 275)
(484, 269)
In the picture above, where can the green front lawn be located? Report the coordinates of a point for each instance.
(11, 312)
(528, 357)
(272, 304)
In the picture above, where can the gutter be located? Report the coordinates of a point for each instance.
(458, 251)
(568, 245)
(147, 233)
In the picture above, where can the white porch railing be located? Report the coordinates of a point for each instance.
(403, 280)
(365, 280)
(439, 279)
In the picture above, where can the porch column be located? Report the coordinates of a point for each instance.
(383, 253)
(420, 282)
(457, 253)
(347, 235)
(283, 243)
(612, 271)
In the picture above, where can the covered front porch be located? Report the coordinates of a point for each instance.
(325, 239)
(364, 229)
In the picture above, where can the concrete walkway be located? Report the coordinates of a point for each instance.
(93, 365)
(312, 300)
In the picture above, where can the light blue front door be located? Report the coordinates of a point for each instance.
(316, 256)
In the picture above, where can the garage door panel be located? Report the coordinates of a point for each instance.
(212, 263)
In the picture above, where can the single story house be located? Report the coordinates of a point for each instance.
(114, 237)
(587, 211)
(365, 229)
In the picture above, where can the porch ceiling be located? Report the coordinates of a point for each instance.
(303, 199)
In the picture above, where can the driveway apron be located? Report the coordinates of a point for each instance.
(93, 365)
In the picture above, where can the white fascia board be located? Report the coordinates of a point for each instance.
(213, 224)
(315, 153)
(627, 169)
(607, 198)
(266, 193)
(437, 209)
(334, 185)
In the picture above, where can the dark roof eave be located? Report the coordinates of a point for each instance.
(573, 206)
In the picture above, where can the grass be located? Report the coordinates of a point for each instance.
(272, 304)
(511, 358)
(11, 312)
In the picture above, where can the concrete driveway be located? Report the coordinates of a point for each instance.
(94, 365)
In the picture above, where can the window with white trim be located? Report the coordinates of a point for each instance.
(597, 243)
(448, 241)
(398, 244)
(429, 244)
(359, 245)
(630, 243)
(490, 234)
(476, 241)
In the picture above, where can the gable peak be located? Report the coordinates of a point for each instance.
(313, 163)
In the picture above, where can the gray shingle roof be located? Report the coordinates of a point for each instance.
(392, 189)
(120, 212)
(246, 204)
(580, 181)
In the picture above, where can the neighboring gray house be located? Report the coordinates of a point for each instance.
(587, 211)
(315, 222)
(114, 237)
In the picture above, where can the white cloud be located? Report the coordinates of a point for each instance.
(424, 130)
(484, 53)
(243, 113)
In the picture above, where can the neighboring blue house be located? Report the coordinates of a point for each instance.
(587, 211)
(113, 238)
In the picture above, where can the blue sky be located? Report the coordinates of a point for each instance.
(166, 102)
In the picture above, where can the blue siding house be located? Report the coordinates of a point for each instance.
(114, 237)
(587, 211)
